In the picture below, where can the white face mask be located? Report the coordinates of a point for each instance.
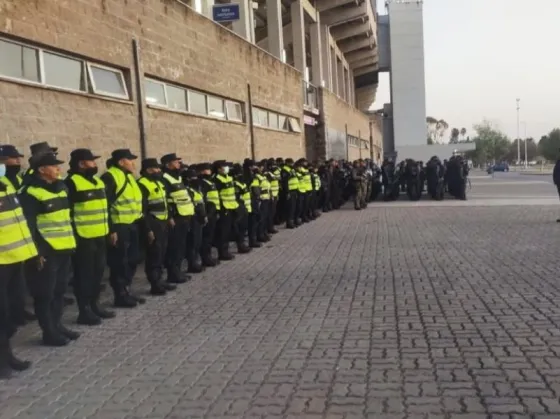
(2, 169)
(226, 170)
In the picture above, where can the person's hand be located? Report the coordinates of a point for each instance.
(113, 238)
(172, 223)
(41, 263)
(205, 220)
(151, 237)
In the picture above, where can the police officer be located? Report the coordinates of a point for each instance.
(37, 150)
(90, 216)
(16, 247)
(315, 193)
(199, 219)
(212, 205)
(47, 209)
(289, 189)
(264, 205)
(156, 216)
(253, 188)
(181, 211)
(17, 291)
(273, 173)
(124, 199)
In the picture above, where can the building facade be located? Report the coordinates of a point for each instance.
(159, 76)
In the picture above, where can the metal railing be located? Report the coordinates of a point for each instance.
(309, 95)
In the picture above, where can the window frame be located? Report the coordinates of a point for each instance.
(208, 97)
(294, 122)
(166, 105)
(189, 91)
(185, 92)
(43, 74)
(228, 117)
(39, 64)
(99, 92)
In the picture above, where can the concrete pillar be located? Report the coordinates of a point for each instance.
(334, 72)
(317, 71)
(341, 82)
(274, 28)
(298, 36)
(325, 56)
(348, 86)
(245, 25)
(352, 88)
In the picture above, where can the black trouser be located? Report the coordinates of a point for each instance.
(223, 231)
(291, 207)
(272, 208)
(11, 277)
(280, 210)
(313, 198)
(16, 291)
(240, 225)
(194, 242)
(123, 258)
(253, 226)
(155, 252)
(264, 211)
(176, 248)
(208, 234)
(47, 287)
(89, 266)
(303, 205)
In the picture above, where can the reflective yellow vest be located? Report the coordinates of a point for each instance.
(317, 181)
(16, 243)
(245, 195)
(305, 184)
(127, 209)
(275, 183)
(227, 193)
(157, 198)
(197, 197)
(53, 219)
(212, 195)
(90, 208)
(265, 187)
(293, 180)
(179, 196)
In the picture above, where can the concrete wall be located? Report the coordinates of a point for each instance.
(425, 152)
(407, 78)
(178, 46)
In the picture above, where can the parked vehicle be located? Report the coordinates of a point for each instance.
(498, 167)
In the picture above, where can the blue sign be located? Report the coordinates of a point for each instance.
(225, 12)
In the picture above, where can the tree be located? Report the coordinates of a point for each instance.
(532, 150)
(430, 141)
(463, 132)
(431, 124)
(549, 145)
(454, 139)
(441, 127)
(491, 144)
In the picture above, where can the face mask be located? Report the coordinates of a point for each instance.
(13, 170)
(2, 170)
(91, 171)
(226, 170)
(156, 176)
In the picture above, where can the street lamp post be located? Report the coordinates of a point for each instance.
(518, 139)
(525, 142)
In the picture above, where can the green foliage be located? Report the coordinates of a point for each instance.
(549, 145)
(532, 150)
(491, 144)
(454, 139)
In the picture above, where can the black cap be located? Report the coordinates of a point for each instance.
(203, 166)
(190, 173)
(149, 164)
(42, 147)
(219, 163)
(248, 162)
(82, 154)
(48, 159)
(9, 151)
(289, 161)
(122, 153)
(168, 158)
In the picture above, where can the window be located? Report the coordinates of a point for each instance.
(216, 107)
(234, 111)
(155, 93)
(273, 120)
(107, 81)
(19, 62)
(283, 123)
(294, 125)
(256, 120)
(197, 102)
(263, 117)
(176, 98)
(64, 72)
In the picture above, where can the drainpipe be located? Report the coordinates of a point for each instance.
(250, 121)
(140, 100)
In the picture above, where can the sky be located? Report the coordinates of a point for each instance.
(481, 55)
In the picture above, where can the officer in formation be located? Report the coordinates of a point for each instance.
(57, 229)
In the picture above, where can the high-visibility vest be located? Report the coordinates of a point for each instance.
(305, 184)
(317, 181)
(157, 198)
(212, 195)
(90, 207)
(275, 183)
(244, 195)
(179, 196)
(127, 209)
(197, 197)
(265, 187)
(293, 179)
(16, 243)
(227, 193)
(53, 218)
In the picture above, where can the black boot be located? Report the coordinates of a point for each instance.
(174, 276)
(242, 248)
(101, 312)
(226, 256)
(87, 317)
(157, 288)
(51, 336)
(5, 368)
(272, 231)
(68, 301)
(15, 363)
(195, 267)
(57, 310)
(70, 334)
(123, 300)
(254, 244)
(209, 261)
(29, 316)
(290, 225)
(168, 286)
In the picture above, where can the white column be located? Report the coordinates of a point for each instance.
(245, 25)
(325, 56)
(298, 36)
(341, 82)
(334, 72)
(274, 28)
(352, 88)
(316, 61)
(348, 86)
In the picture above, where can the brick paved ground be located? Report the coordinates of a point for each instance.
(399, 311)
